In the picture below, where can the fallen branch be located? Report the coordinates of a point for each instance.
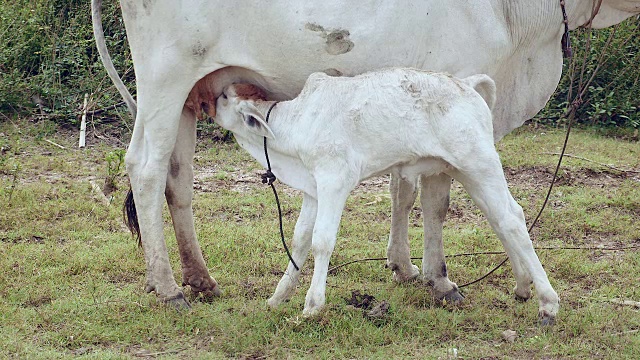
(149, 354)
(634, 304)
(595, 162)
(52, 143)
(99, 193)
(627, 332)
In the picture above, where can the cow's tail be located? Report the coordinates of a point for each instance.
(98, 33)
(130, 216)
(485, 86)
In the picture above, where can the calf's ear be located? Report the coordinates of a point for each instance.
(254, 120)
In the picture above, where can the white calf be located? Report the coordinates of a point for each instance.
(413, 124)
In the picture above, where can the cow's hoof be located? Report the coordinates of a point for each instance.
(204, 286)
(452, 296)
(405, 276)
(178, 302)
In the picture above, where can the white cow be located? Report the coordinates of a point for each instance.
(340, 131)
(186, 52)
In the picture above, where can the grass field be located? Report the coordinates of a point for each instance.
(71, 279)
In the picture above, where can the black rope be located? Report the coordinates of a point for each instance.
(268, 178)
(567, 51)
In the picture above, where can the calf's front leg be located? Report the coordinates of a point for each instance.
(299, 252)
(332, 196)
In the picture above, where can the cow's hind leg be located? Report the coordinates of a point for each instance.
(300, 250)
(403, 196)
(179, 195)
(434, 198)
(487, 186)
(152, 143)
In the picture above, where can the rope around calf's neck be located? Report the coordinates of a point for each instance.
(268, 178)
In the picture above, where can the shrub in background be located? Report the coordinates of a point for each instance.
(613, 98)
(49, 60)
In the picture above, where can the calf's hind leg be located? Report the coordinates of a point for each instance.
(152, 143)
(403, 196)
(179, 195)
(434, 199)
(487, 186)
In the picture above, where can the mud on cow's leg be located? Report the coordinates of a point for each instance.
(434, 199)
(403, 196)
(179, 195)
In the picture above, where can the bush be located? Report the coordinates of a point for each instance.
(613, 98)
(49, 61)
(49, 58)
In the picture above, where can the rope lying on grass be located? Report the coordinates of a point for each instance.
(622, 248)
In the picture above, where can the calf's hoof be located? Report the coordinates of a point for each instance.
(311, 312)
(452, 296)
(404, 276)
(274, 302)
(546, 319)
(522, 295)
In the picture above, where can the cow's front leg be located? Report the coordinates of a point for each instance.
(434, 199)
(300, 250)
(179, 194)
(403, 196)
(332, 195)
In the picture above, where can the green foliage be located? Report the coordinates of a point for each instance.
(613, 97)
(115, 167)
(49, 58)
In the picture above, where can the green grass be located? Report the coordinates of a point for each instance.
(72, 279)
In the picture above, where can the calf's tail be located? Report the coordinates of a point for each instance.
(131, 216)
(485, 86)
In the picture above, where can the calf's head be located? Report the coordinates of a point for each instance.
(237, 110)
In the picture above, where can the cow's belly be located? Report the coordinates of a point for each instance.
(288, 42)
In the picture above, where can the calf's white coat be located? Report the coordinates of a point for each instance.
(411, 123)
